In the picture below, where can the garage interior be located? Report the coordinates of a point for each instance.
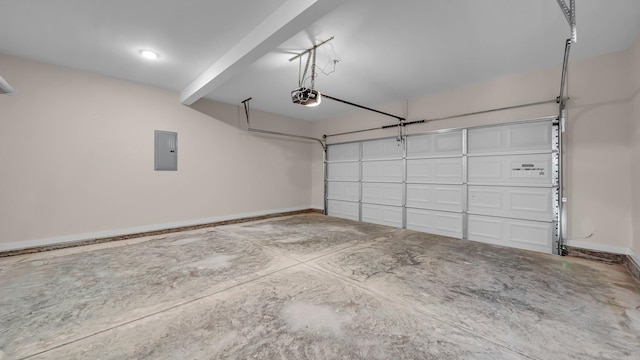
(460, 185)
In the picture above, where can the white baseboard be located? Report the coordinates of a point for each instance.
(139, 229)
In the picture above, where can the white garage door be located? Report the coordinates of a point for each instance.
(495, 184)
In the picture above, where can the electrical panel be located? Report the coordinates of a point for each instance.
(166, 151)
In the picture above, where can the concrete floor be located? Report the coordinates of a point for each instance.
(310, 286)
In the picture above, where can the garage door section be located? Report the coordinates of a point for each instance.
(495, 184)
(343, 181)
(382, 182)
(434, 183)
(512, 183)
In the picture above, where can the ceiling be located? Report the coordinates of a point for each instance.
(387, 50)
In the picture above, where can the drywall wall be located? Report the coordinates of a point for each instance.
(635, 168)
(598, 176)
(635, 145)
(597, 144)
(77, 159)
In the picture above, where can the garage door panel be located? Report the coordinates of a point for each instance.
(344, 152)
(348, 171)
(522, 234)
(382, 214)
(510, 138)
(485, 200)
(531, 136)
(436, 197)
(435, 222)
(390, 170)
(381, 149)
(513, 202)
(484, 140)
(381, 193)
(447, 170)
(487, 229)
(531, 233)
(531, 169)
(349, 191)
(343, 209)
(449, 143)
(532, 203)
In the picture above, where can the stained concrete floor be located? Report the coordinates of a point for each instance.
(316, 287)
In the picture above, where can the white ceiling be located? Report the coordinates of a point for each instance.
(387, 50)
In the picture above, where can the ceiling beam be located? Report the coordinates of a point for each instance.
(5, 88)
(289, 19)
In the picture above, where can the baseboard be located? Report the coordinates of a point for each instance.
(632, 254)
(633, 264)
(598, 247)
(39, 245)
(317, 209)
(606, 253)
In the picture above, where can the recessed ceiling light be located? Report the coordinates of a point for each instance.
(148, 54)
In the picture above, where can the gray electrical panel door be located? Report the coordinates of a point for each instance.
(166, 151)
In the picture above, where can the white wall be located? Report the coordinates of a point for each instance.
(635, 145)
(598, 177)
(598, 147)
(76, 152)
